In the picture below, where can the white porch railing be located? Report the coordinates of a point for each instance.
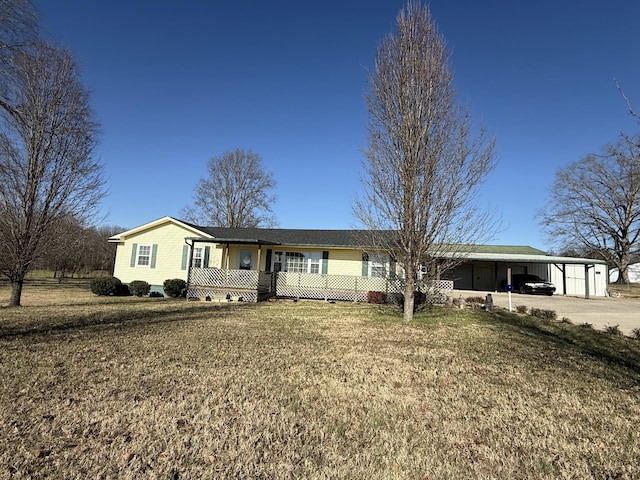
(216, 277)
(352, 288)
(215, 282)
(253, 286)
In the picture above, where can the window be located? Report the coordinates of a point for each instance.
(299, 262)
(197, 257)
(378, 266)
(295, 262)
(245, 260)
(314, 262)
(143, 257)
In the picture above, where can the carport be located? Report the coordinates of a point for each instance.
(487, 270)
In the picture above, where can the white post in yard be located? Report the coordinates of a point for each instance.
(509, 286)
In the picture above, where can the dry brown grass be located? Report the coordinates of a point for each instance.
(631, 290)
(146, 388)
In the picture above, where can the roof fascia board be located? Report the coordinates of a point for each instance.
(238, 241)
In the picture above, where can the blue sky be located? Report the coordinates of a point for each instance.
(177, 82)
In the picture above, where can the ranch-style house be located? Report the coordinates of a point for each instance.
(256, 263)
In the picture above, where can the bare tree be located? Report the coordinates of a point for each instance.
(47, 171)
(424, 166)
(237, 193)
(594, 204)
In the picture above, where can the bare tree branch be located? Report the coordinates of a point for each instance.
(18, 30)
(18, 23)
(628, 102)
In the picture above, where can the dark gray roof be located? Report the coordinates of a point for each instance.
(329, 238)
(282, 236)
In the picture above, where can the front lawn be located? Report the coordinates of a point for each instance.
(155, 388)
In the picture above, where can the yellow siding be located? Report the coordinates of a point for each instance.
(170, 240)
(234, 256)
(341, 261)
(345, 262)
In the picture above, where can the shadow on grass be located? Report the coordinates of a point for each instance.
(616, 351)
(124, 316)
(66, 282)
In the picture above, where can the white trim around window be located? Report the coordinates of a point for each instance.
(297, 262)
(143, 255)
(198, 255)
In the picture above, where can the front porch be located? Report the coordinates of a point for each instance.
(255, 286)
(250, 285)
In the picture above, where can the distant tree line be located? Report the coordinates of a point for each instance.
(73, 250)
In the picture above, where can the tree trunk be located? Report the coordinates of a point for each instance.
(623, 266)
(16, 293)
(623, 275)
(409, 299)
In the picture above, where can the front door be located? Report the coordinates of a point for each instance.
(277, 262)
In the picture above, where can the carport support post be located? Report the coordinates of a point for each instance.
(586, 281)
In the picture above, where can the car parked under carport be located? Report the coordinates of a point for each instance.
(529, 283)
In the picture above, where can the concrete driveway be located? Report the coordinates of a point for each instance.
(598, 311)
